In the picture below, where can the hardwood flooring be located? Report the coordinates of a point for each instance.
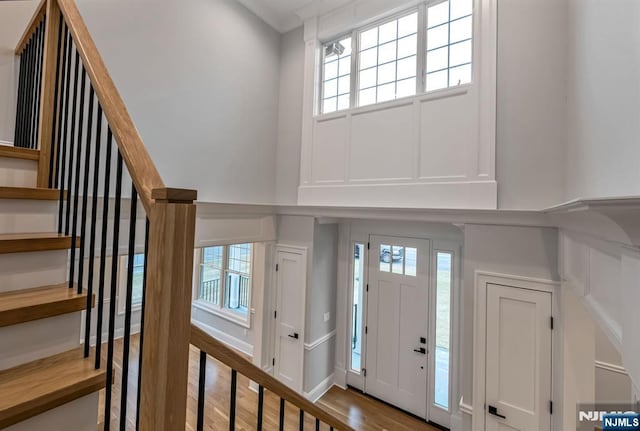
(358, 410)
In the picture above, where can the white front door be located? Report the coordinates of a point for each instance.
(397, 310)
(518, 359)
(291, 276)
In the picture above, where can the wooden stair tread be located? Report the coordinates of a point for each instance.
(39, 241)
(19, 153)
(33, 193)
(39, 303)
(35, 387)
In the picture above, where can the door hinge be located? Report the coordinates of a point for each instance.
(367, 287)
(366, 329)
(368, 245)
(551, 323)
(364, 372)
(273, 361)
(277, 267)
(275, 314)
(551, 407)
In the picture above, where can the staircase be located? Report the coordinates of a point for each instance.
(44, 377)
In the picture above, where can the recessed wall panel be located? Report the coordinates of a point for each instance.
(329, 155)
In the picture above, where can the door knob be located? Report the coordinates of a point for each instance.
(494, 411)
(421, 350)
(294, 335)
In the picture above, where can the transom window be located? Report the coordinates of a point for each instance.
(433, 42)
(225, 278)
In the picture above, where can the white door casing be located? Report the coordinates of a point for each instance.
(397, 319)
(289, 315)
(512, 354)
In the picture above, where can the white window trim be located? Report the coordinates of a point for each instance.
(217, 310)
(122, 286)
(421, 65)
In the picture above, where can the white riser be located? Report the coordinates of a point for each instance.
(30, 341)
(78, 415)
(18, 172)
(19, 216)
(25, 270)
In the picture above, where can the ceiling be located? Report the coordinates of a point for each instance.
(285, 15)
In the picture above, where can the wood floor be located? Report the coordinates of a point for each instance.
(359, 411)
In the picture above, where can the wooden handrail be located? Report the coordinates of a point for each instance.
(230, 358)
(143, 171)
(31, 27)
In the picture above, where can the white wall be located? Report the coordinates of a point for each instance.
(603, 98)
(199, 79)
(290, 116)
(14, 17)
(531, 105)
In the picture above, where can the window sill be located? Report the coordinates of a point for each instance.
(224, 314)
(422, 97)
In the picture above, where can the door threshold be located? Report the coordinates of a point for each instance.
(433, 424)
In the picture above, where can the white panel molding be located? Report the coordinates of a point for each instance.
(611, 367)
(389, 149)
(319, 341)
(316, 393)
(465, 408)
(225, 338)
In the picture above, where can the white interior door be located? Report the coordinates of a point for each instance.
(289, 315)
(518, 359)
(397, 310)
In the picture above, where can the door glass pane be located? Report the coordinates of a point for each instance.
(397, 259)
(385, 258)
(356, 319)
(410, 261)
(443, 325)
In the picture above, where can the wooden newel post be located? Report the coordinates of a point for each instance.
(165, 358)
(47, 94)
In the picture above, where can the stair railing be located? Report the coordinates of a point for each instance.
(238, 364)
(70, 110)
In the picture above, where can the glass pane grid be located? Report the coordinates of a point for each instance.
(387, 61)
(449, 44)
(336, 78)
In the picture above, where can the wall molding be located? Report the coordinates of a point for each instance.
(319, 341)
(322, 388)
(611, 367)
(464, 407)
(6, 143)
(225, 338)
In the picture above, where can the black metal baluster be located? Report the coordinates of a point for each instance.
(72, 143)
(260, 407)
(127, 314)
(19, 129)
(317, 424)
(65, 125)
(92, 234)
(301, 420)
(144, 300)
(34, 87)
(201, 381)
(281, 426)
(112, 296)
(85, 193)
(103, 247)
(232, 400)
(54, 148)
(29, 95)
(76, 191)
(36, 106)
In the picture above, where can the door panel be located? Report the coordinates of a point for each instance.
(396, 321)
(518, 358)
(290, 306)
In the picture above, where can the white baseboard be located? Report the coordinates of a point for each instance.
(455, 424)
(227, 339)
(316, 393)
(6, 143)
